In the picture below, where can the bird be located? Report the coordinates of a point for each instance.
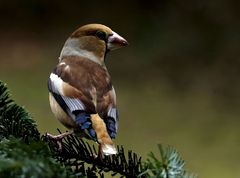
(81, 93)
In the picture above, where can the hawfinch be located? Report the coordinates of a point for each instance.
(81, 94)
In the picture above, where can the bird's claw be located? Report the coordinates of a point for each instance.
(57, 139)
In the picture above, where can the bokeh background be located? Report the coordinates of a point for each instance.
(177, 82)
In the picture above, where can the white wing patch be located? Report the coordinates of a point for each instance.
(56, 84)
(67, 103)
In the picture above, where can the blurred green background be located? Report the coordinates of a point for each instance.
(177, 82)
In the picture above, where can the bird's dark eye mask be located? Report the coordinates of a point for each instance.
(101, 35)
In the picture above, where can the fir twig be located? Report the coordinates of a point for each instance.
(75, 152)
(22, 153)
(4, 97)
(170, 166)
(14, 120)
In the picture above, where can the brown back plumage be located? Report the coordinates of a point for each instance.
(86, 76)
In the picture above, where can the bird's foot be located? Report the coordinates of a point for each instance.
(100, 153)
(58, 138)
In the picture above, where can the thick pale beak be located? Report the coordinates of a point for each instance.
(115, 41)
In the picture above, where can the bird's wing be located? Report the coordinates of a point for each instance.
(82, 85)
(75, 102)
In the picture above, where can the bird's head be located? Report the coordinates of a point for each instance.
(93, 41)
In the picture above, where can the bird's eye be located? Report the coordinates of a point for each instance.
(101, 35)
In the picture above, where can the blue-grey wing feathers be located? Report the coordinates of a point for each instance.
(75, 108)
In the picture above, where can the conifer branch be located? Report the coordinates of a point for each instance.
(23, 152)
(14, 120)
(170, 165)
(75, 152)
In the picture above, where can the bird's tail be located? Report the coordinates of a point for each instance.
(106, 143)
